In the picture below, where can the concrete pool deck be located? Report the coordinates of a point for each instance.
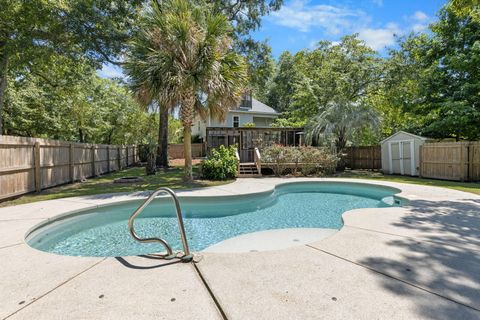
(421, 261)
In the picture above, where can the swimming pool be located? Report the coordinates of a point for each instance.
(208, 220)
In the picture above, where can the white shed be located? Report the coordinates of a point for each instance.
(401, 153)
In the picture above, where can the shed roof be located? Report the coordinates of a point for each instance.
(407, 133)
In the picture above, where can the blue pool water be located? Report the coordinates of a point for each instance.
(208, 220)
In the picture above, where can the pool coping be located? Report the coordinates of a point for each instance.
(223, 246)
(368, 227)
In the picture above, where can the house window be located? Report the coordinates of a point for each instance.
(236, 121)
(246, 102)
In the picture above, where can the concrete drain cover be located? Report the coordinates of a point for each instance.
(128, 180)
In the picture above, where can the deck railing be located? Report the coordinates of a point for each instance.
(238, 162)
(258, 160)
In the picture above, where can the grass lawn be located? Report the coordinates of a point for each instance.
(171, 178)
(471, 187)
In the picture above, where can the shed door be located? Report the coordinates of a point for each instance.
(395, 158)
(402, 158)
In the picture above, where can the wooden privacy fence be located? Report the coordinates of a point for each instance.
(368, 157)
(32, 164)
(450, 161)
(175, 151)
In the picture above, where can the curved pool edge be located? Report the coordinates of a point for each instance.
(266, 185)
(224, 197)
(270, 240)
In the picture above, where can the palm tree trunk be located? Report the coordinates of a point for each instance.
(162, 150)
(187, 149)
(186, 113)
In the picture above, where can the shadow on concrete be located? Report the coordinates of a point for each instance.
(450, 222)
(147, 263)
(444, 259)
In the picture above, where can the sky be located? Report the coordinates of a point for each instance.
(301, 24)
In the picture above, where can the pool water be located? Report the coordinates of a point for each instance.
(208, 220)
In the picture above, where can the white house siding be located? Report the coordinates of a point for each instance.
(262, 121)
(244, 118)
(198, 127)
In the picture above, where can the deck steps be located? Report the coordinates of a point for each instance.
(249, 170)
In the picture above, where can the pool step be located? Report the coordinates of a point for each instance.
(248, 170)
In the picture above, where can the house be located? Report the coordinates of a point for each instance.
(248, 111)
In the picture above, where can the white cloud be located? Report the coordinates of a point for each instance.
(419, 27)
(110, 71)
(419, 21)
(313, 44)
(335, 21)
(380, 38)
(420, 16)
(301, 15)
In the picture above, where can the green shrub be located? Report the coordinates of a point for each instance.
(317, 161)
(308, 160)
(249, 125)
(221, 164)
(276, 155)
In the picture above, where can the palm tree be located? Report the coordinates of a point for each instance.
(146, 85)
(339, 122)
(186, 60)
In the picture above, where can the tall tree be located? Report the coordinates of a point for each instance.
(444, 77)
(282, 87)
(340, 123)
(261, 67)
(67, 100)
(330, 88)
(32, 30)
(246, 16)
(464, 8)
(185, 58)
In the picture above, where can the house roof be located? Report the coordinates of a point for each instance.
(257, 107)
(404, 132)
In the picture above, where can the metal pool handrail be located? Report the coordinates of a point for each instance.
(170, 255)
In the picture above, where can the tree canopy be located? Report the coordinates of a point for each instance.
(93, 31)
(436, 78)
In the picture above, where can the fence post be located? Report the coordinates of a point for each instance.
(463, 161)
(470, 162)
(92, 150)
(126, 152)
(372, 154)
(108, 158)
(420, 161)
(71, 163)
(119, 159)
(36, 160)
(352, 155)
